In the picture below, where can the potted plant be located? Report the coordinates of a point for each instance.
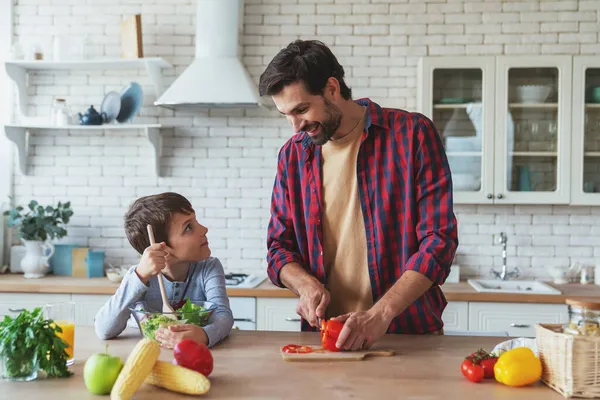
(37, 226)
(28, 343)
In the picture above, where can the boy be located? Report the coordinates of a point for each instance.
(182, 254)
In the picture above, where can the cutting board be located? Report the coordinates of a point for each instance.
(320, 354)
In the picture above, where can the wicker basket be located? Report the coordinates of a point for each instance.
(571, 364)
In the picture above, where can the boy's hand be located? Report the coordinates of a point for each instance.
(173, 334)
(154, 259)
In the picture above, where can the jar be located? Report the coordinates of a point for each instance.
(584, 317)
(60, 113)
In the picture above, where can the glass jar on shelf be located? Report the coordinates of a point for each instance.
(584, 317)
(60, 113)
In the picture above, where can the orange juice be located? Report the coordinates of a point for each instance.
(68, 336)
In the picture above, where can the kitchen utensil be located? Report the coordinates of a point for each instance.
(91, 117)
(132, 98)
(533, 93)
(110, 107)
(163, 292)
(320, 354)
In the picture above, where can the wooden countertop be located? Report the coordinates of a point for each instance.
(248, 365)
(15, 283)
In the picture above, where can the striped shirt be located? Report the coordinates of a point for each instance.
(405, 191)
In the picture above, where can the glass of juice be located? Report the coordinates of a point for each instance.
(63, 315)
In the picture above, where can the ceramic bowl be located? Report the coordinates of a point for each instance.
(116, 274)
(533, 93)
(110, 107)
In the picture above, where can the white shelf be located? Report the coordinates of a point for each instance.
(18, 71)
(592, 154)
(453, 106)
(533, 153)
(533, 105)
(463, 154)
(19, 135)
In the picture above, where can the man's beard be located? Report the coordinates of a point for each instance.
(333, 118)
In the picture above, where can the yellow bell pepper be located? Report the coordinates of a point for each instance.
(518, 367)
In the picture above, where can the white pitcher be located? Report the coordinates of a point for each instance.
(35, 263)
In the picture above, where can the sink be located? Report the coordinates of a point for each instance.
(516, 286)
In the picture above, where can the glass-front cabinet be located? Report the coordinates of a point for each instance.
(532, 137)
(585, 165)
(456, 93)
(505, 125)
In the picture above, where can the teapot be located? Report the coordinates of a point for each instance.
(91, 117)
(562, 274)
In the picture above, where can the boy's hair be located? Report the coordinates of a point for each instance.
(155, 210)
(308, 61)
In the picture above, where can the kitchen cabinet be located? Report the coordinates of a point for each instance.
(244, 313)
(456, 316)
(505, 124)
(277, 314)
(517, 319)
(585, 162)
(87, 306)
(17, 301)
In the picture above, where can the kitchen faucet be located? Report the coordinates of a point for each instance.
(504, 274)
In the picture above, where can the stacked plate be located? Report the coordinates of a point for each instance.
(122, 107)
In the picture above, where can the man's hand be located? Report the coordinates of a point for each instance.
(153, 261)
(314, 299)
(361, 329)
(169, 337)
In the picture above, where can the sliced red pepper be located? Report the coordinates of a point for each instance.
(297, 349)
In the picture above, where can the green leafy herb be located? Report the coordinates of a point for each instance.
(151, 324)
(30, 335)
(193, 314)
(40, 223)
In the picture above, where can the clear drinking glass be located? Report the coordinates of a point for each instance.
(63, 315)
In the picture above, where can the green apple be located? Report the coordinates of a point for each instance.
(101, 371)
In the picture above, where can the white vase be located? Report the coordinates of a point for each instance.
(35, 263)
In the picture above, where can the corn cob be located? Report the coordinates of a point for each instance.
(178, 379)
(137, 367)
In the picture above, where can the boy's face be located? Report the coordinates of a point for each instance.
(187, 238)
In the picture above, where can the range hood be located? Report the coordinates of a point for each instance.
(216, 77)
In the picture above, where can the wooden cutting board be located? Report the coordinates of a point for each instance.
(319, 354)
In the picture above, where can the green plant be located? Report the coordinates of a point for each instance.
(27, 335)
(40, 223)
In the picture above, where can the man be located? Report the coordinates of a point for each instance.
(362, 227)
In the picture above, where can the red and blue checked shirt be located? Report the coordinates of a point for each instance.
(405, 191)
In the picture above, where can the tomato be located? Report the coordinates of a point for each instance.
(464, 367)
(330, 331)
(488, 366)
(294, 348)
(475, 373)
(194, 355)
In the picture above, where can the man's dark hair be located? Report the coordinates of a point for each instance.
(155, 210)
(307, 61)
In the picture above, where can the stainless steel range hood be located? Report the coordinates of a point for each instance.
(216, 77)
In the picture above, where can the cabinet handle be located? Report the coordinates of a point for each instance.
(16, 310)
(513, 325)
(290, 319)
(243, 319)
(490, 196)
(500, 196)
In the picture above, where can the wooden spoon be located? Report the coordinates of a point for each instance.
(166, 308)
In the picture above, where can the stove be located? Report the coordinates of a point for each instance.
(243, 280)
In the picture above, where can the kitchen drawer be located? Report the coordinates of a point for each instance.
(16, 301)
(275, 314)
(244, 313)
(517, 319)
(87, 306)
(456, 316)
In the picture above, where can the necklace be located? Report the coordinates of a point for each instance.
(352, 130)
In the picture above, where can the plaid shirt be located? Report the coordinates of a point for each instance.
(405, 193)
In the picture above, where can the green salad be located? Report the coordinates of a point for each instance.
(189, 313)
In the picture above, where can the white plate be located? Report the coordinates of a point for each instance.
(111, 106)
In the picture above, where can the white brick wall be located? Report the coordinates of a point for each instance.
(224, 160)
